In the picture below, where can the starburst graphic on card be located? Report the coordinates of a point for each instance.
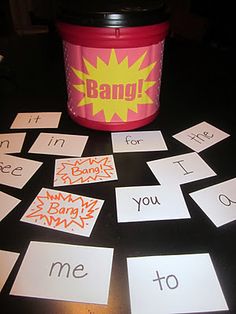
(115, 88)
(63, 211)
(84, 170)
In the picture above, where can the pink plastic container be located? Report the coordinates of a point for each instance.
(113, 63)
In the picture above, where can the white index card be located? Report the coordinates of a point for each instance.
(36, 120)
(149, 203)
(65, 272)
(63, 211)
(218, 201)
(11, 142)
(59, 144)
(174, 284)
(7, 262)
(180, 169)
(7, 204)
(201, 136)
(84, 170)
(16, 171)
(138, 141)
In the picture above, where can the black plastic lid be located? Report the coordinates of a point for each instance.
(112, 13)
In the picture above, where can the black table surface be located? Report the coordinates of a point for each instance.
(197, 85)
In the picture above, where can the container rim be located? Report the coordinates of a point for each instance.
(120, 14)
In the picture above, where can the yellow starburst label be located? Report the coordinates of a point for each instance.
(115, 87)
